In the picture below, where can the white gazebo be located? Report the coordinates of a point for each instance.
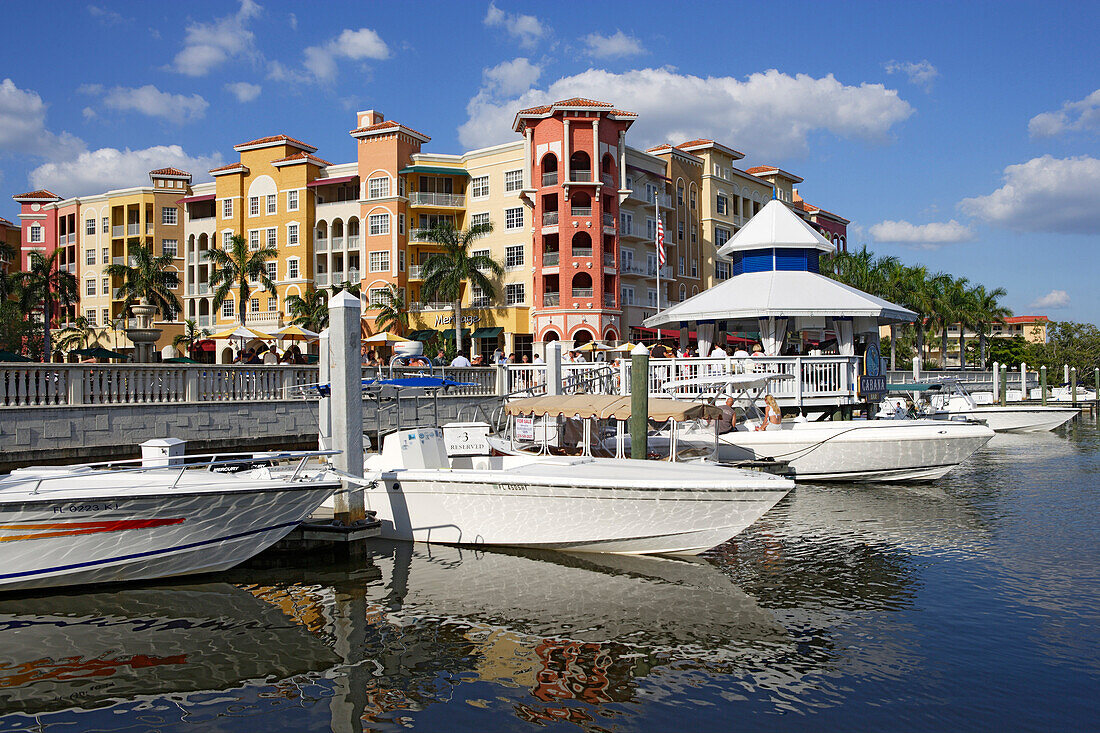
(776, 288)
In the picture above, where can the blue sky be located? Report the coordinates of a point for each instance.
(959, 135)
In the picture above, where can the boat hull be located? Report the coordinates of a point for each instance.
(1016, 419)
(915, 450)
(573, 504)
(107, 537)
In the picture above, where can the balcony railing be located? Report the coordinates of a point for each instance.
(118, 260)
(608, 220)
(432, 306)
(549, 299)
(582, 292)
(320, 244)
(204, 321)
(581, 210)
(549, 218)
(321, 279)
(337, 277)
(133, 229)
(420, 235)
(191, 257)
(337, 243)
(582, 251)
(353, 241)
(190, 288)
(353, 275)
(550, 259)
(148, 228)
(607, 179)
(580, 176)
(608, 259)
(118, 231)
(550, 179)
(424, 198)
(609, 300)
(204, 288)
(416, 272)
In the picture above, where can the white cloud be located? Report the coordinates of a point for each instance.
(292, 19)
(23, 125)
(107, 168)
(1054, 300)
(920, 73)
(105, 16)
(1044, 194)
(769, 113)
(512, 77)
(148, 100)
(923, 236)
(527, 29)
(209, 45)
(243, 91)
(616, 45)
(356, 45)
(1081, 116)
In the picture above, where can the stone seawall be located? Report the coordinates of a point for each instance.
(70, 434)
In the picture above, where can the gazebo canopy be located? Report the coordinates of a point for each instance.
(775, 226)
(780, 294)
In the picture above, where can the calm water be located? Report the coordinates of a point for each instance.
(972, 602)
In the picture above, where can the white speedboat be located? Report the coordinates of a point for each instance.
(577, 503)
(829, 450)
(94, 523)
(949, 400)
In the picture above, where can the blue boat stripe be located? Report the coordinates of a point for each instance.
(150, 553)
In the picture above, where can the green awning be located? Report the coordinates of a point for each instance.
(488, 333)
(9, 356)
(450, 334)
(913, 387)
(98, 352)
(434, 169)
(423, 334)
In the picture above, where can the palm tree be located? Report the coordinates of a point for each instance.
(79, 335)
(856, 269)
(191, 335)
(948, 309)
(392, 310)
(8, 280)
(309, 310)
(445, 273)
(237, 267)
(147, 279)
(923, 291)
(987, 311)
(49, 286)
(354, 288)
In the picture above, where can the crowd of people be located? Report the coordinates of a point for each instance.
(264, 354)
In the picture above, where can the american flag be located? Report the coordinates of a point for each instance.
(660, 244)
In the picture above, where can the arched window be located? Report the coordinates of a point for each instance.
(551, 336)
(581, 337)
(582, 285)
(580, 204)
(549, 170)
(580, 166)
(581, 245)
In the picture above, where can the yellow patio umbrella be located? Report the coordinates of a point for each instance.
(625, 347)
(384, 337)
(240, 331)
(296, 333)
(593, 346)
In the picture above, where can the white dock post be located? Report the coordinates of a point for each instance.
(553, 368)
(345, 380)
(324, 405)
(916, 368)
(1023, 381)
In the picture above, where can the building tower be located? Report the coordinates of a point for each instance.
(574, 160)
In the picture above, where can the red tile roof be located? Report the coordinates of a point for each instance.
(276, 139)
(574, 102)
(227, 167)
(761, 169)
(39, 194)
(168, 172)
(303, 156)
(695, 143)
(663, 146)
(387, 125)
(1025, 319)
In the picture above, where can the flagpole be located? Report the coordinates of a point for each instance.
(657, 251)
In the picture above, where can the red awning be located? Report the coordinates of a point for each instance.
(327, 181)
(205, 345)
(196, 199)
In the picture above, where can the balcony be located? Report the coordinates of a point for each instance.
(550, 259)
(582, 292)
(609, 300)
(416, 272)
(582, 251)
(580, 176)
(337, 243)
(191, 257)
(118, 260)
(69, 268)
(607, 179)
(338, 277)
(320, 244)
(148, 229)
(420, 235)
(133, 230)
(190, 288)
(581, 211)
(445, 200)
(353, 275)
(204, 288)
(353, 241)
(608, 259)
(550, 179)
(321, 279)
(432, 306)
(609, 220)
(550, 299)
(204, 321)
(549, 218)
(118, 231)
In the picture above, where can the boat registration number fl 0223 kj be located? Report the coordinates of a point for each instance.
(73, 508)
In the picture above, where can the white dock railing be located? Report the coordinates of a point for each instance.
(816, 378)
